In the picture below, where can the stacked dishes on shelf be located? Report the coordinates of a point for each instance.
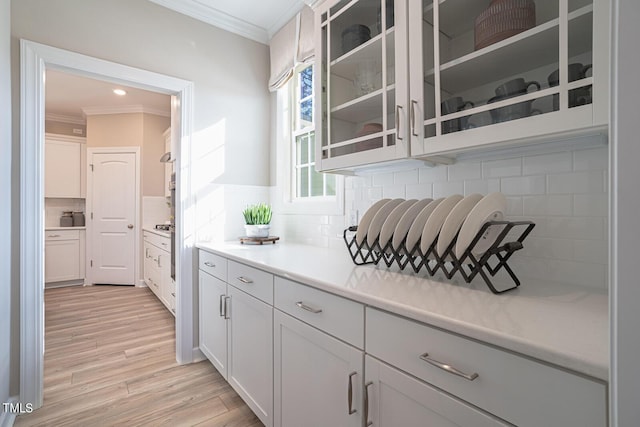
(456, 234)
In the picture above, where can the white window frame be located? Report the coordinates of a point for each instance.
(286, 109)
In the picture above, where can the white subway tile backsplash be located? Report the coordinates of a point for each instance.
(591, 204)
(464, 171)
(576, 183)
(419, 191)
(383, 179)
(444, 189)
(502, 168)
(547, 163)
(406, 177)
(523, 185)
(591, 159)
(393, 192)
(434, 174)
(557, 204)
(482, 186)
(564, 194)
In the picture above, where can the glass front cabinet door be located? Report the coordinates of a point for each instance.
(426, 78)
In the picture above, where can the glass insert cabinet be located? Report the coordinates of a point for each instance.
(426, 79)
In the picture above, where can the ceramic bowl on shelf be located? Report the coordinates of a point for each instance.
(353, 36)
(503, 19)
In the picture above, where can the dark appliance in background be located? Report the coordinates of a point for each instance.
(172, 226)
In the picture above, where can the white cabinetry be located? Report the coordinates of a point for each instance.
(64, 166)
(329, 371)
(431, 90)
(236, 329)
(64, 255)
(168, 167)
(157, 268)
(514, 388)
(397, 399)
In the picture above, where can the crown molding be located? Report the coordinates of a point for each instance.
(124, 109)
(205, 13)
(74, 120)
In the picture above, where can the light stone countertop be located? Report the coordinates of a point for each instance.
(64, 228)
(560, 324)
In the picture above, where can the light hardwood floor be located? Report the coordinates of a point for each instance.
(110, 361)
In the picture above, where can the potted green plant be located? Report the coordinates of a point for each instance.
(257, 220)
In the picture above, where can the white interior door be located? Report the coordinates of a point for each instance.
(113, 227)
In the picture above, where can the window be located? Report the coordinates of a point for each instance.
(308, 182)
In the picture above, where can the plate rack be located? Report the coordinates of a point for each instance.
(509, 239)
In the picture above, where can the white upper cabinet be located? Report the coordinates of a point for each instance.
(421, 78)
(64, 166)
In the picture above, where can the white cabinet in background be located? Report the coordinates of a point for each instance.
(236, 329)
(157, 268)
(64, 255)
(64, 166)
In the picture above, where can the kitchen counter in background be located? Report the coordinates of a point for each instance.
(151, 229)
(561, 324)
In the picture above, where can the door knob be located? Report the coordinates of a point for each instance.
(130, 226)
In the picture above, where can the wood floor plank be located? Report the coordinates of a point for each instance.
(110, 361)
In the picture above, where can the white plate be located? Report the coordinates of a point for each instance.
(378, 220)
(405, 222)
(454, 221)
(491, 208)
(390, 224)
(363, 227)
(418, 224)
(436, 219)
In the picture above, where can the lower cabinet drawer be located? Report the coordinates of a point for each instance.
(251, 280)
(335, 315)
(213, 264)
(512, 387)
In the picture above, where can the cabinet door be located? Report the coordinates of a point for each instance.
(251, 352)
(396, 399)
(151, 273)
(360, 84)
(62, 169)
(62, 260)
(213, 324)
(164, 269)
(314, 374)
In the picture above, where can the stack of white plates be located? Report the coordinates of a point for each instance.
(427, 221)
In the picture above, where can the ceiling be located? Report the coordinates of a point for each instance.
(72, 97)
(258, 20)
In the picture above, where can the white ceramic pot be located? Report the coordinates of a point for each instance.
(260, 230)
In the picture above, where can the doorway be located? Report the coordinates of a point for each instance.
(35, 59)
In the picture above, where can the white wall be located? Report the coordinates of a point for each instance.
(5, 203)
(230, 75)
(625, 291)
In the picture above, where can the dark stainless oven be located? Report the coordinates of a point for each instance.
(172, 227)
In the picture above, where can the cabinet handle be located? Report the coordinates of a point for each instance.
(174, 310)
(308, 308)
(244, 279)
(413, 117)
(209, 264)
(226, 307)
(53, 235)
(146, 252)
(448, 368)
(350, 394)
(173, 294)
(159, 261)
(366, 404)
(398, 108)
(221, 305)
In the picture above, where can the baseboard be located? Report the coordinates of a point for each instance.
(7, 418)
(141, 284)
(198, 355)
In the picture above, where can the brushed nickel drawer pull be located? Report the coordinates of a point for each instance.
(226, 307)
(222, 305)
(173, 294)
(448, 368)
(413, 117)
(350, 394)
(53, 235)
(244, 279)
(209, 264)
(398, 108)
(366, 404)
(308, 308)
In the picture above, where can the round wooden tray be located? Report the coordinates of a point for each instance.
(259, 240)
